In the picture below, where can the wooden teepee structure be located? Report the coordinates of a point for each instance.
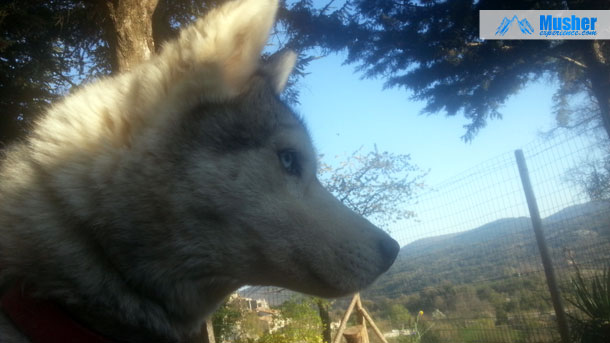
(358, 333)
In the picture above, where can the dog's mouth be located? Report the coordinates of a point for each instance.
(339, 276)
(328, 289)
(313, 283)
(330, 276)
(322, 286)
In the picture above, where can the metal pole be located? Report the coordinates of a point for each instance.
(544, 253)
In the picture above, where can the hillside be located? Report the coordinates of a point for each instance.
(500, 249)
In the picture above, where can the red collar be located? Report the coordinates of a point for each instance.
(42, 321)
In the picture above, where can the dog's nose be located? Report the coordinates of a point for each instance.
(389, 250)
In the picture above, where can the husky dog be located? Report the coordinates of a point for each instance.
(141, 201)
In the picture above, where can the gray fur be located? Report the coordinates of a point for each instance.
(141, 230)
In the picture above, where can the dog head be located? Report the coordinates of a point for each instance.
(249, 186)
(248, 195)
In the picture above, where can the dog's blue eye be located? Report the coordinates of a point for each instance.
(288, 158)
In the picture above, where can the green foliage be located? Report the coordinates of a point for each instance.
(432, 337)
(302, 323)
(251, 325)
(421, 332)
(324, 312)
(592, 298)
(484, 330)
(224, 321)
(501, 316)
(400, 317)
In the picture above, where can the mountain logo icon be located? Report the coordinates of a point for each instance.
(524, 26)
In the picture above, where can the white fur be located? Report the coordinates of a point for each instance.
(210, 61)
(143, 199)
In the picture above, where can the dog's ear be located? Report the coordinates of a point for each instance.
(279, 67)
(220, 52)
(240, 32)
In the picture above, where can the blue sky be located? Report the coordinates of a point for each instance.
(344, 113)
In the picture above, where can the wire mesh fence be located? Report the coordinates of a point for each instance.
(470, 262)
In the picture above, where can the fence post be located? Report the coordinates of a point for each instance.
(542, 248)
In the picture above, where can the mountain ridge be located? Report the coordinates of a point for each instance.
(503, 248)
